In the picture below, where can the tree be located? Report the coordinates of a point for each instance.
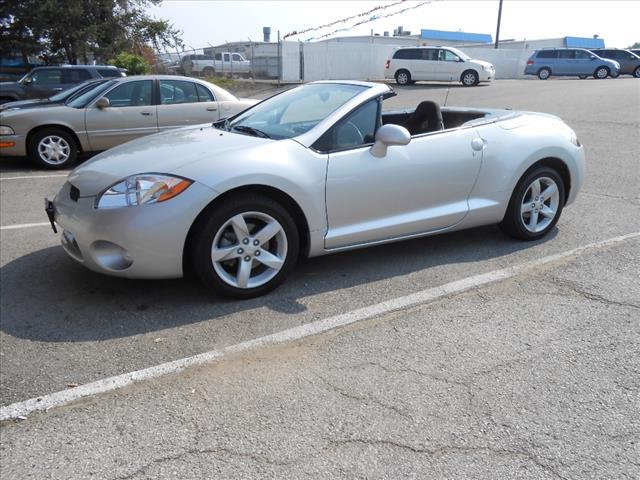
(135, 64)
(76, 29)
(634, 46)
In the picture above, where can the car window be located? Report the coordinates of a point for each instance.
(547, 54)
(204, 95)
(82, 99)
(177, 91)
(131, 94)
(566, 54)
(50, 76)
(356, 129)
(580, 55)
(236, 57)
(408, 54)
(109, 72)
(76, 75)
(226, 57)
(447, 56)
(218, 56)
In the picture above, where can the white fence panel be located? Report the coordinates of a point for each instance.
(509, 63)
(290, 55)
(345, 61)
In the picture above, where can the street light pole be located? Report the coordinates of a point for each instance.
(498, 28)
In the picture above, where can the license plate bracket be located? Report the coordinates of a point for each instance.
(50, 210)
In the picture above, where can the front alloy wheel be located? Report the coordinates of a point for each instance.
(601, 73)
(53, 148)
(469, 79)
(246, 248)
(535, 205)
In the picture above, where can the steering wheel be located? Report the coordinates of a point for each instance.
(349, 135)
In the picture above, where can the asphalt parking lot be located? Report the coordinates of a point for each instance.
(536, 377)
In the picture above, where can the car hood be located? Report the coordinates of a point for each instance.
(52, 110)
(19, 104)
(482, 63)
(160, 153)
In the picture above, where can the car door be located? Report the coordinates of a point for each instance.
(44, 83)
(131, 114)
(583, 62)
(566, 64)
(413, 189)
(185, 103)
(449, 66)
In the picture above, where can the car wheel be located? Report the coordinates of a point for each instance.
(403, 77)
(208, 72)
(544, 73)
(246, 248)
(582, 77)
(601, 72)
(636, 72)
(53, 148)
(535, 205)
(615, 75)
(470, 78)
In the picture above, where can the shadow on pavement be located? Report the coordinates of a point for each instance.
(47, 297)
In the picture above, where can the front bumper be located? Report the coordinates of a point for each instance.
(487, 76)
(135, 242)
(18, 149)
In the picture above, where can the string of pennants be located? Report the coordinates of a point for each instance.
(368, 14)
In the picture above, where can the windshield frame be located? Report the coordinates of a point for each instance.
(459, 53)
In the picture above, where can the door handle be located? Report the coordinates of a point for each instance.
(477, 144)
(211, 109)
(146, 114)
(57, 89)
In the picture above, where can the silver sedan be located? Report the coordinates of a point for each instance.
(110, 114)
(321, 168)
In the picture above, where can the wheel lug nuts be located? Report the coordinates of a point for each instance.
(257, 253)
(245, 241)
(256, 243)
(240, 251)
(247, 258)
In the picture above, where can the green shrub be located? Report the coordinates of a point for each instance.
(135, 64)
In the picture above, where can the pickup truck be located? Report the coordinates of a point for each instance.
(226, 63)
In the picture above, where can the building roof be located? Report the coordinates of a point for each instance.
(455, 36)
(584, 42)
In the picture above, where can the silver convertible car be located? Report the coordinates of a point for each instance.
(320, 168)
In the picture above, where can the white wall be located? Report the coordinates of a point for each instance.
(290, 53)
(509, 63)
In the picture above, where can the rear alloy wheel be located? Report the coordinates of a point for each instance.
(582, 77)
(636, 72)
(535, 205)
(53, 148)
(615, 75)
(403, 77)
(246, 248)
(601, 72)
(544, 73)
(208, 72)
(470, 78)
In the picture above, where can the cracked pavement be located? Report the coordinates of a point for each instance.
(536, 377)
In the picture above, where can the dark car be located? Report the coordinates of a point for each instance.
(58, 98)
(42, 82)
(629, 61)
(633, 50)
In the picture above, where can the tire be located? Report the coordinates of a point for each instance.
(615, 75)
(582, 77)
(208, 72)
(519, 220)
(403, 77)
(544, 73)
(601, 73)
(470, 78)
(636, 72)
(218, 234)
(53, 148)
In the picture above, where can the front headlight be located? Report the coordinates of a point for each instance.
(488, 68)
(4, 130)
(142, 189)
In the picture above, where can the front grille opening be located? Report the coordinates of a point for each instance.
(74, 193)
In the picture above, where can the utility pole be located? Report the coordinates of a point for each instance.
(498, 28)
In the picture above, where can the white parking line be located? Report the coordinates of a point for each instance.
(34, 176)
(24, 225)
(422, 297)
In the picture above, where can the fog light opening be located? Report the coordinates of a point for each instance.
(111, 256)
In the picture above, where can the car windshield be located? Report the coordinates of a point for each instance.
(73, 91)
(460, 53)
(294, 112)
(81, 100)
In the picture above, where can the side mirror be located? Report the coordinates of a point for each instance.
(27, 81)
(388, 135)
(102, 102)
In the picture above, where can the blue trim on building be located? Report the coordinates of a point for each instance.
(455, 36)
(583, 42)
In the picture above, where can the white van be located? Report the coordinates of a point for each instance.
(411, 64)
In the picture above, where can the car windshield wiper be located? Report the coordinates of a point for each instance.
(251, 131)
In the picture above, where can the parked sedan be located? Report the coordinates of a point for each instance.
(315, 170)
(112, 113)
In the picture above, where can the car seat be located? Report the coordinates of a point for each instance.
(426, 118)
